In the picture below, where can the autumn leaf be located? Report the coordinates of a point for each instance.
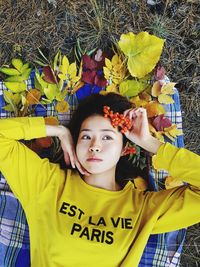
(161, 122)
(51, 121)
(131, 87)
(143, 51)
(16, 87)
(138, 101)
(33, 96)
(165, 99)
(172, 132)
(154, 109)
(49, 75)
(62, 106)
(163, 92)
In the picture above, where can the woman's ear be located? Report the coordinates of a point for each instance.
(123, 149)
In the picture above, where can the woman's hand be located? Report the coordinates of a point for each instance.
(139, 133)
(67, 145)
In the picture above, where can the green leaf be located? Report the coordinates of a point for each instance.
(16, 87)
(51, 91)
(17, 63)
(131, 88)
(26, 73)
(14, 79)
(24, 67)
(8, 108)
(10, 71)
(41, 63)
(55, 62)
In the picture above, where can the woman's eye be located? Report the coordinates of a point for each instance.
(108, 137)
(84, 137)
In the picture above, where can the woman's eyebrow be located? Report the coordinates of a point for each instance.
(102, 130)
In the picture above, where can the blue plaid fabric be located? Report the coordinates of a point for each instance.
(161, 250)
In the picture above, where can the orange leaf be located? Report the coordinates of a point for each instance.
(154, 108)
(62, 106)
(33, 96)
(51, 121)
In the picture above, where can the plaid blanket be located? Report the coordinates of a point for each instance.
(161, 250)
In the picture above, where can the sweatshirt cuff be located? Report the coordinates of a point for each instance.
(164, 156)
(36, 128)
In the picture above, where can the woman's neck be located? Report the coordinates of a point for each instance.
(102, 180)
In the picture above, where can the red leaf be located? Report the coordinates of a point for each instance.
(89, 63)
(100, 81)
(49, 76)
(161, 122)
(88, 76)
(160, 73)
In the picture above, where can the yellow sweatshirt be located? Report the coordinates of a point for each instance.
(74, 224)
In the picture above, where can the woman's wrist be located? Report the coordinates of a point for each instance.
(151, 144)
(55, 130)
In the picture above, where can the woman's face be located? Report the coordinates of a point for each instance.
(99, 139)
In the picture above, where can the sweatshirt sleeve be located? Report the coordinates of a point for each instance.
(26, 173)
(178, 207)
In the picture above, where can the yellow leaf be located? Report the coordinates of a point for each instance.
(138, 102)
(140, 183)
(171, 182)
(168, 88)
(111, 88)
(143, 51)
(10, 71)
(62, 106)
(33, 96)
(106, 72)
(154, 109)
(173, 131)
(156, 89)
(115, 60)
(65, 65)
(108, 63)
(165, 99)
(72, 70)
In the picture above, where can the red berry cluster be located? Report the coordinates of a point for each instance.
(117, 119)
(129, 150)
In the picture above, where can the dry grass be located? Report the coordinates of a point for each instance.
(26, 25)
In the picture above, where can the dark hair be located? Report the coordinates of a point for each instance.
(93, 105)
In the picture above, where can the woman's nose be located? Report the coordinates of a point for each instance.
(94, 149)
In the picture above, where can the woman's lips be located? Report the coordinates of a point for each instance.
(94, 160)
